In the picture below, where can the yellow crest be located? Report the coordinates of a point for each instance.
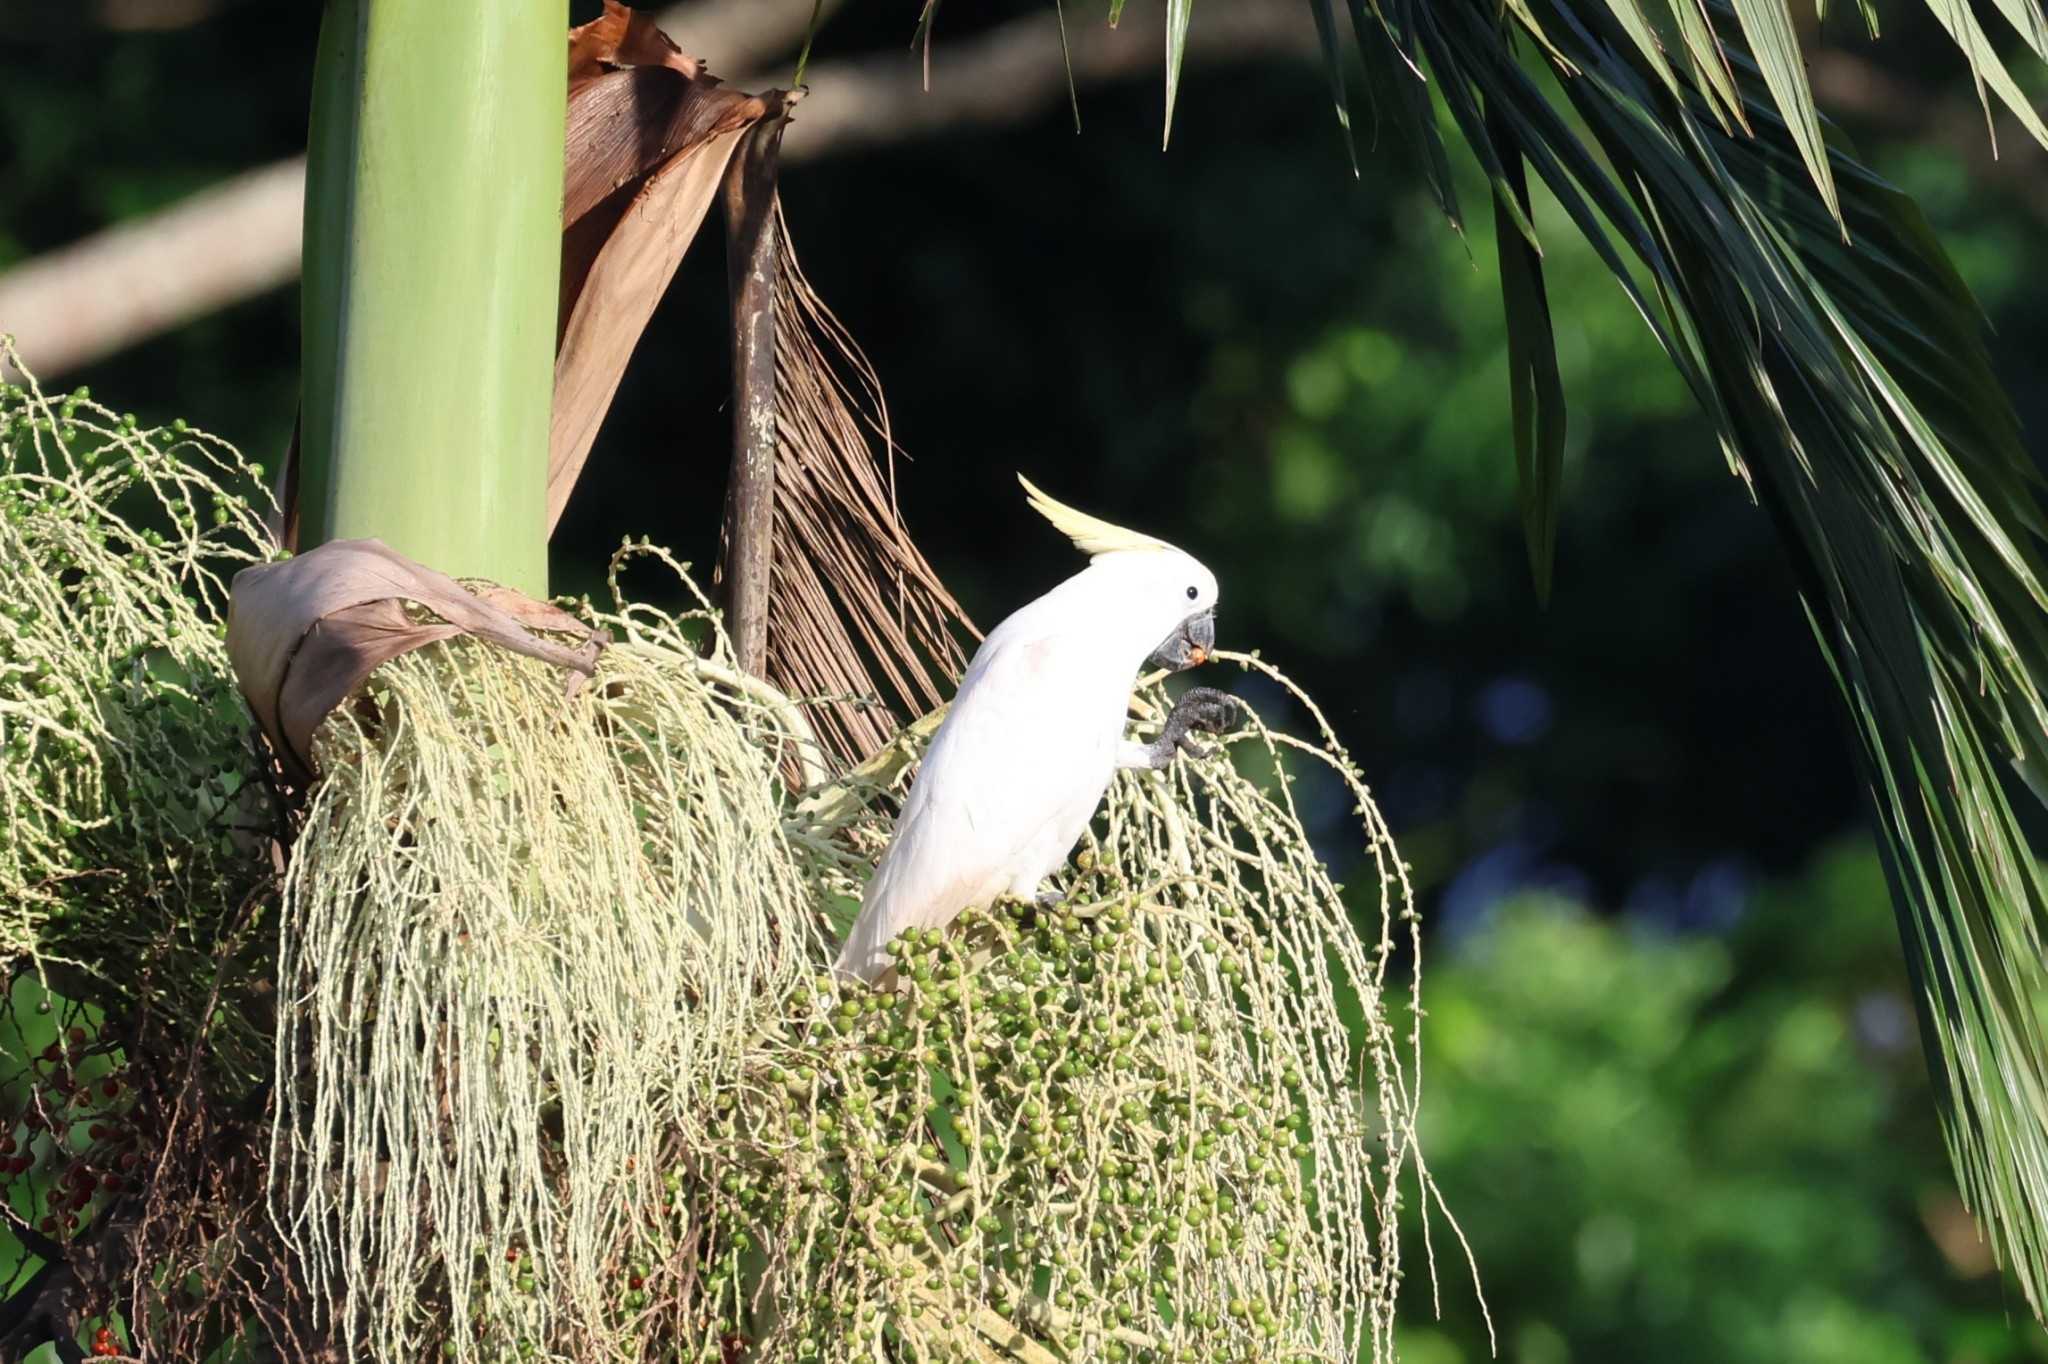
(1091, 534)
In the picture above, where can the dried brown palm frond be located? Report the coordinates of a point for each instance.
(843, 607)
(853, 601)
(649, 138)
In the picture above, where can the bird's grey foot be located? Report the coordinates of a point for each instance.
(1047, 899)
(1201, 709)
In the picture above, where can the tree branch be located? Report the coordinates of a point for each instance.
(135, 281)
(131, 282)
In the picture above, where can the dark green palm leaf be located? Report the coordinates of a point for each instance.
(1391, 65)
(1333, 62)
(1535, 389)
(1842, 362)
(1178, 13)
(1774, 43)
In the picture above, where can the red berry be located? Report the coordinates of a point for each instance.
(112, 1183)
(98, 1132)
(512, 1255)
(48, 1224)
(76, 1037)
(7, 1144)
(634, 1283)
(104, 1334)
(111, 1088)
(129, 1159)
(52, 1052)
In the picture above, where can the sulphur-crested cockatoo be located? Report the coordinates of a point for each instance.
(1036, 731)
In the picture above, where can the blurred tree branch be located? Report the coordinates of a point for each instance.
(240, 238)
(152, 16)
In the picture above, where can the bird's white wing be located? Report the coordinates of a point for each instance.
(1020, 749)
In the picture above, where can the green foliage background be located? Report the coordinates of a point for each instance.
(1699, 1148)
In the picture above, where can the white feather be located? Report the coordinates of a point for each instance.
(1027, 749)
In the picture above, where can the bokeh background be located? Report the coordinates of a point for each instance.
(1675, 1094)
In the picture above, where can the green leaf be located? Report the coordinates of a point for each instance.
(1333, 63)
(1460, 99)
(1414, 116)
(1066, 61)
(803, 58)
(1629, 14)
(1709, 63)
(1177, 12)
(1535, 391)
(1985, 67)
(2028, 21)
(1568, 168)
(1843, 365)
(1767, 24)
(1525, 14)
(921, 37)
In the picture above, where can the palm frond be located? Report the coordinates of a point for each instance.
(1841, 360)
(858, 612)
(1178, 12)
(1535, 388)
(1333, 62)
(1774, 44)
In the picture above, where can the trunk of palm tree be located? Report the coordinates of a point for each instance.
(433, 247)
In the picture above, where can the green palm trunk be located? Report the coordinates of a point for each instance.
(433, 248)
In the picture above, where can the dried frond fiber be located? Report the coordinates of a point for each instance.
(858, 614)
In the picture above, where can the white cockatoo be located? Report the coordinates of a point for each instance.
(1036, 731)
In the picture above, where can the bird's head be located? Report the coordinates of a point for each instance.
(1155, 591)
(1167, 587)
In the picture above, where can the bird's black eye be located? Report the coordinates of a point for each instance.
(1192, 594)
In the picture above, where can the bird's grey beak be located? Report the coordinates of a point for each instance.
(1187, 646)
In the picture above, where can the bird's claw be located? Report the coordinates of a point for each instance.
(1202, 709)
(1205, 709)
